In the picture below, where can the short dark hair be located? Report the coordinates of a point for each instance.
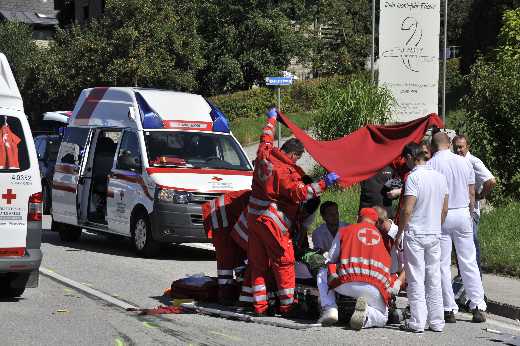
(293, 145)
(415, 151)
(457, 137)
(325, 205)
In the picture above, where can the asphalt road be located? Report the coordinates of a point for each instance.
(54, 314)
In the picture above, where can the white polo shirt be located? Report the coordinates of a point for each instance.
(322, 238)
(429, 187)
(459, 174)
(482, 174)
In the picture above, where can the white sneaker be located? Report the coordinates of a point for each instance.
(328, 317)
(360, 314)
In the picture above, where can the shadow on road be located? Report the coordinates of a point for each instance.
(121, 247)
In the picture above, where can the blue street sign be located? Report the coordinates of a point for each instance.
(279, 81)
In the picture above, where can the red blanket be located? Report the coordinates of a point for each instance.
(365, 151)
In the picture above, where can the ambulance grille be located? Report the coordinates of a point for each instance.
(196, 219)
(202, 197)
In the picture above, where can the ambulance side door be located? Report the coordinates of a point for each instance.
(69, 165)
(125, 184)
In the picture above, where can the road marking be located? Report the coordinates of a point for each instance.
(231, 337)
(150, 325)
(84, 288)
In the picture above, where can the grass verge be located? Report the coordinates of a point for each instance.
(247, 130)
(500, 240)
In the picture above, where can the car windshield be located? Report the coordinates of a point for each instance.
(195, 150)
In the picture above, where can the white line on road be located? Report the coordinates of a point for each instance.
(88, 290)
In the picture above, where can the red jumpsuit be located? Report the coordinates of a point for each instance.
(277, 191)
(221, 217)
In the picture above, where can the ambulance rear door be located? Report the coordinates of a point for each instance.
(69, 166)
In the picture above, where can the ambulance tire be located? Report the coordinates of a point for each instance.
(67, 233)
(142, 239)
(6, 291)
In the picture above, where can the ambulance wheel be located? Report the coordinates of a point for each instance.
(68, 233)
(142, 240)
(6, 291)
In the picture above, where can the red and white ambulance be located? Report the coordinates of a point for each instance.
(140, 162)
(20, 193)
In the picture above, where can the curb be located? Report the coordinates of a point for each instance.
(504, 310)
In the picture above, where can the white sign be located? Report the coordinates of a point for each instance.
(409, 55)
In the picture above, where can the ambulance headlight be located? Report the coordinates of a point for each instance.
(174, 196)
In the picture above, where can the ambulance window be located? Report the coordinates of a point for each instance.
(73, 146)
(13, 149)
(229, 153)
(129, 156)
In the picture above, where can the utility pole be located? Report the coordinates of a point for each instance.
(372, 59)
(444, 61)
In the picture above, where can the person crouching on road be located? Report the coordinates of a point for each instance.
(424, 210)
(276, 193)
(358, 267)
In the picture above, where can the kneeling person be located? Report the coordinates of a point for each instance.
(359, 267)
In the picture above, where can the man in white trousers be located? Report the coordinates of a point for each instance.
(457, 228)
(424, 209)
(358, 267)
(484, 183)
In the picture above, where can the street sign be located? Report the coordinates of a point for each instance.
(278, 81)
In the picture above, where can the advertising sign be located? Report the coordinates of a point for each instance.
(409, 55)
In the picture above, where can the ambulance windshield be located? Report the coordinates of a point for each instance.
(13, 149)
(195, 150)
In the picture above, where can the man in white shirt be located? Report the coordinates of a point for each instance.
(484, 183)
(458, 229)
(323, 236)
(424, 209)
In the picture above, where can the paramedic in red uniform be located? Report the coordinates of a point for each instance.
(359, 267)
(277, 191)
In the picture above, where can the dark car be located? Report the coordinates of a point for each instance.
(47, 147)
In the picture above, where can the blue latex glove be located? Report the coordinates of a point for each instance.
(272, 113)
(331, 178)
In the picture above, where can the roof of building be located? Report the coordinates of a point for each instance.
(33, 12)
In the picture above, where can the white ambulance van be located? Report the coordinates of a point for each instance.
(140, 163)
(20, 193)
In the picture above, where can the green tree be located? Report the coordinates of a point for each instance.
(493, 106)
(345, 43)
(481, 32)
(19, 48)
(248, 40)
(142, 43)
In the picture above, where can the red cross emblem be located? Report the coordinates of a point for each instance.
(216, 179)
(369, 236)
(9, 196)
(265, 169)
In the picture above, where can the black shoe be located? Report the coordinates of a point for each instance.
(479, 316)
(449, 317)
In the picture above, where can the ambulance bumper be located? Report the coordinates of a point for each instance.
(33, 255)
(178, 223)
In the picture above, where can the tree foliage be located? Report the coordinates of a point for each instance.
(481, 32)
(493, 106)
(20, 50)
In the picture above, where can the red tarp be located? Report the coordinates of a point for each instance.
(364, 152)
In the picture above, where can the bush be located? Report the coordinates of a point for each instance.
(354, 104)
(302, 96)
(493, 108)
